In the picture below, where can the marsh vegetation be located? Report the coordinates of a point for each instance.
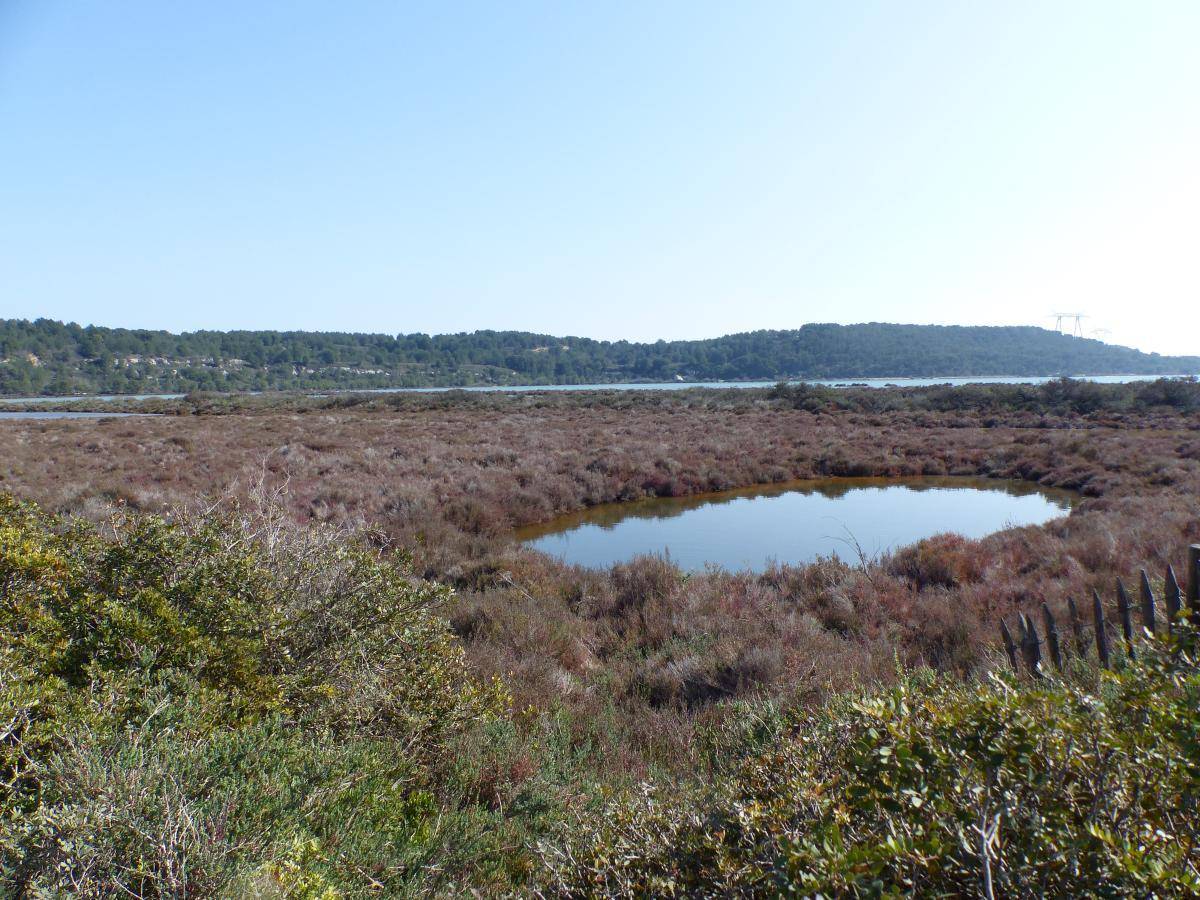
(569, 686)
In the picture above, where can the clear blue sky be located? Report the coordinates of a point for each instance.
(638, 170)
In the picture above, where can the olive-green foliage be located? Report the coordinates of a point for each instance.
(1060, 397)
(235, 707)
(59, 358)
(1078, 787)
(229, 706)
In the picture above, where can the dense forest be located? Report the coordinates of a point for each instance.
(49, 357)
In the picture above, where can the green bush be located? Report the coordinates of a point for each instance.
(1083, 786)
(228, 705)
(233, 706)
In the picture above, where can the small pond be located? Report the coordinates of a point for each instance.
(794, 522)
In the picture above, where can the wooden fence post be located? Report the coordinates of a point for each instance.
(1028, 642)
(1076, 627)
(1031, 646)
(1193, 580)
(1171, 591)
(1009, 646)
(1124, 614)
(1101, 632)
(1148, 617)
(1052, 637)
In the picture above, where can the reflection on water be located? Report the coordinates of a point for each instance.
(794, 522)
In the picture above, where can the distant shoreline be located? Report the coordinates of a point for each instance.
(731, 384)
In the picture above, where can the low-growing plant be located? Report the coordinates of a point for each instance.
(248, 672)
(1084, 786)
(182, 705)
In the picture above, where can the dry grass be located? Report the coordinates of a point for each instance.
(641, 651)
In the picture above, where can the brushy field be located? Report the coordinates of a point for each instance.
(229, 705)
(238, 707)
(1082, 785)
(574, 685)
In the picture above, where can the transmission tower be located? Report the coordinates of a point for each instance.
(1100, 333)
(1076, 326)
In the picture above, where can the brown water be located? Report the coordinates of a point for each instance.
(795, 522)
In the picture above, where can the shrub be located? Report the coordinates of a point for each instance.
(180, 704)
(932, 787)
(944, 560)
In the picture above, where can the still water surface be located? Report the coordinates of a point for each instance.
(649, 386)
(61, 414)
(794, 522)
(826, 382)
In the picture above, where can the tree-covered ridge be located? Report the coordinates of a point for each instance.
(51, 357)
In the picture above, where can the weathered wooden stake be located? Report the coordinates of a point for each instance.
(1148, 617)
(1031, 646)
(1172, 598)
(1052, 637)
(1124, 614)
(1009, 647)
(1193, 575)
(1029, 643)
(1101, 632)
(1076, 627)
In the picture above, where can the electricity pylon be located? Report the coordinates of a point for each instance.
(1076, 327)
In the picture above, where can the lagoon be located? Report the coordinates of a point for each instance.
(955, 381)
(64, 414)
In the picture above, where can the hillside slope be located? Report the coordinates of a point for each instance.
(56, 358)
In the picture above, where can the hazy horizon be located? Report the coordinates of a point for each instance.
(640, 172)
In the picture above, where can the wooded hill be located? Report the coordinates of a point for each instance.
(49, 357)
